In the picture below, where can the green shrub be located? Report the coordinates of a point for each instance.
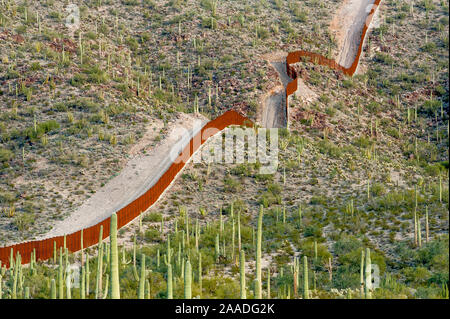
(152, 217)
(328, 147)
(41, 129)
(429, 47)
(152, 234)
(5, 155)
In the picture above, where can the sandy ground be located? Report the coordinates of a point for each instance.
(347, 25)
(139, 174)
(274, 110)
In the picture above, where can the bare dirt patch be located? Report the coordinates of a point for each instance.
(347, 25)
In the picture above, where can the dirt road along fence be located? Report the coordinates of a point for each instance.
(44, 248)
(296, 56)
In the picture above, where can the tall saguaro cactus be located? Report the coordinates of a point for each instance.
(141, 294)
(169, 282)
(98, 285)
(239, 230)
(53, 289)
(305, 278)
(200, 279)
(60, 276)
(368, 271)
(187, 280)
(114, 292)
(88, 275)
(83, 283)
(217, 248)
(242, 274)
(257, 289)
(258, 251)
(362, 274)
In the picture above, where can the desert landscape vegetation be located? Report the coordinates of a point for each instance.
(358, 206)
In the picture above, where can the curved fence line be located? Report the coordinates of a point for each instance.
(44, 249)
(296, 56)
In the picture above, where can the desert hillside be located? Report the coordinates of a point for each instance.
(89, 113)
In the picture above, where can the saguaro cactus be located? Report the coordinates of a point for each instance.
(197, 234)
(305, 278)
(187, 280)
(217, 248)
(98, 286)
(242, 274)
(141, 294)
(368, 271)
(419, 232)
(88, 275)
(362, 274)
(148, 289)
(257, 289)
(415, 228)
(68, 283)
(15, 278)
(258, 251)
(169, 282)
(299, 216)
(232, 240)
(83, 283)
(60, 276)
(82, 247)
(200, 280)
(53, 289)
(295, 276)
(239, 230)
(114, 292)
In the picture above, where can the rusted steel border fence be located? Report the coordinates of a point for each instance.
(44, 248)
(294, 57)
